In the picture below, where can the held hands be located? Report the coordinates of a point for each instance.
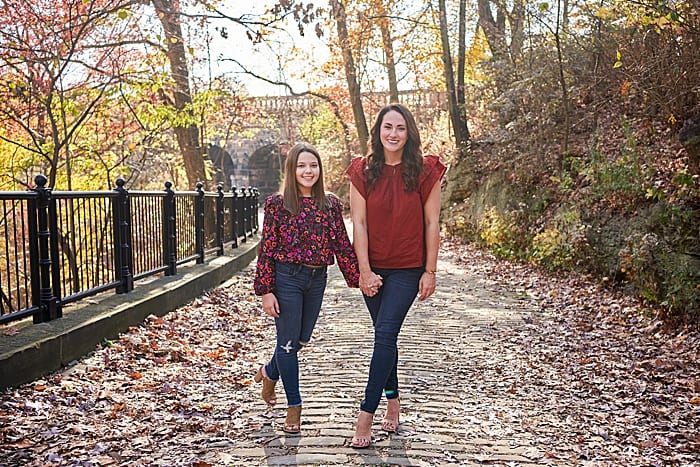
(370, 283)
(270, 305)
(426, 286)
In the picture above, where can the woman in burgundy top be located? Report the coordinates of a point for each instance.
(395, 205)
(303, 231)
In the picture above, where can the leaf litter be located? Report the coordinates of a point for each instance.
(598, 378)
(587, 374)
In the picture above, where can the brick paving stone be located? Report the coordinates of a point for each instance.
(308, 459)
(441, 414)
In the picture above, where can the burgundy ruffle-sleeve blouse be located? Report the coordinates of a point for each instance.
(395, 223)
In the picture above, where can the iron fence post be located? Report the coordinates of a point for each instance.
(34, 268)
(54, 253)
(256, 200)
(123, 260)
(199, 223)
(234, 216)
(241, 214)
(47, 247)
(249, 205)
(169, 230)
(244, 215)
(220, 220)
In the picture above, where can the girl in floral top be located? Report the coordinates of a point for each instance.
(303, 233)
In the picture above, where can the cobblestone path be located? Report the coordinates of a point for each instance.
(451, 396)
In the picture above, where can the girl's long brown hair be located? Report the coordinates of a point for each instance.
(412, 156)
(291, 197)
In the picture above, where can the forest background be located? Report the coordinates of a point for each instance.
(572, 132)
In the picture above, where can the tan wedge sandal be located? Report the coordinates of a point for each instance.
(292, 424)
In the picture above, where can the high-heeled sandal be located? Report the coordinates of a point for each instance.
(292, 423)
(391, 425)
(268, 387)
(362, 441)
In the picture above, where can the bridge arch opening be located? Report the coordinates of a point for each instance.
(266, 168)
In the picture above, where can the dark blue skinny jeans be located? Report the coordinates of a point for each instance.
(299, 294)
(388, 309)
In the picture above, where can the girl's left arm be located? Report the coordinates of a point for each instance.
(431, 218)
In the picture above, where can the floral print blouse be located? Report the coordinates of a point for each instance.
(312, 237)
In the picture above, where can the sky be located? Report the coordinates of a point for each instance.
(263, 59)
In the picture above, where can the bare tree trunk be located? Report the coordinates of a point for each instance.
(388, 46)
(353, 87)
(517, 38)
(465, 137)
(564, 90)
(456, 113)
(187, 134)
(461, 52)
(494, 29)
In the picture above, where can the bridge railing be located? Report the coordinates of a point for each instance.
(59, 247)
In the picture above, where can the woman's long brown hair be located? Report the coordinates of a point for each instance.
(412, 156)
(291, 197)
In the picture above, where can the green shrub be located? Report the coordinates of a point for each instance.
(626, 173)
(549, 249)
(556, 246)
(662, 276)
(499, 234)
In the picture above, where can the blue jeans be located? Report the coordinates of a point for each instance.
(388, 309)
(299, 294)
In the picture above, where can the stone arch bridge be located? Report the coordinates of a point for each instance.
(255, 157)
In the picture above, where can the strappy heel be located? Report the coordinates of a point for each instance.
(268, 387)
(362, 441)
(292, 423)
(391, 425)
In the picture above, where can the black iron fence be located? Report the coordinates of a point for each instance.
(58, 247)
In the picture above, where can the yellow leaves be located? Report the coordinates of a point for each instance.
(604, 13)
(695, 400)
(618, 60)
(662, 22)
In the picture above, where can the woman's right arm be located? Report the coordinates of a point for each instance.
(369, 281)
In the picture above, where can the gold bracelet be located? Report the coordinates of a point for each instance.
(430, 272)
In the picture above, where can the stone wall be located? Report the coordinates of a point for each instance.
(651, 251)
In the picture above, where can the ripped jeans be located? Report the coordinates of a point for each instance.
(299, 294)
